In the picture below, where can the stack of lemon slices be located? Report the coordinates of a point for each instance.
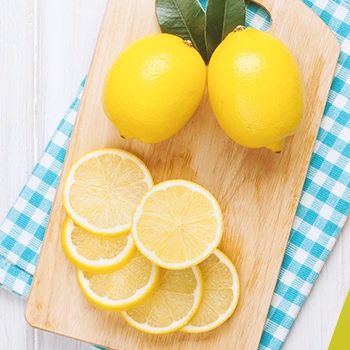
(149, 252)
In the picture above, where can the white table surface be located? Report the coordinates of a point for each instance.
(45, 50)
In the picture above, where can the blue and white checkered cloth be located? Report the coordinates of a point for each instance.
(323, 208)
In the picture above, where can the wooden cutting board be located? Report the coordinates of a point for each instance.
(258, 190)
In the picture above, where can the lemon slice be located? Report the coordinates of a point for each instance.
(103, 188)
(95, 254)
(221, 294)
(122, 289)
(172, 305)
(177, 224)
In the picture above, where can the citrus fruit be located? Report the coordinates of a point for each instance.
(154, 87)
(103, 188)
(95, 254)
(220, 296)
(122, 289)
(177, 224)
(256, 89)
(172, 305)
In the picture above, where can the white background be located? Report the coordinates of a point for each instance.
(45, 51)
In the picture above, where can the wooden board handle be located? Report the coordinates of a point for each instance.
(285, 16)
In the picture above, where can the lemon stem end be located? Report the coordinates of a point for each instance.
(188, 43)
(239, 28)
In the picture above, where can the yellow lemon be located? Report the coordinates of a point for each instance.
(220, 296)
(256, 89)
(172, 305)
(177, 224)
(102, 189)
(95, 254)
(122, 289)
(154, 87)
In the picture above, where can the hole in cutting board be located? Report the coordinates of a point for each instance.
(257, 17)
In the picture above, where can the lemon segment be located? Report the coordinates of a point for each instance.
(95, 254)
(220, 296)
(103, 188)
(124, 288)
(177, 224)
(172, 305)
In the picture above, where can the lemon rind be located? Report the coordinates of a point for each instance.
(82, 222)
(94, 266)
(121, 305)
(189, 263)
(178, 324)
(224, 317)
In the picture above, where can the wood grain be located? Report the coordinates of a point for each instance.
(46, 50)
(316, 322)
(16, 142)
(66, 33)
(258, 191)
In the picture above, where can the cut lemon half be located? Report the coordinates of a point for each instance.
(221, 294)
(177, 224)
(103, 188)
(95, 254)
(122, 289)
(172, 305)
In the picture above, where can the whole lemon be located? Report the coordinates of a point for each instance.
(154, 87)
(256, 89)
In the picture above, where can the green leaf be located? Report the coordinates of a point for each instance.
(184, 18)
(222, 17)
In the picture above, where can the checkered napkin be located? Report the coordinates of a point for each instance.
(322, 211)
